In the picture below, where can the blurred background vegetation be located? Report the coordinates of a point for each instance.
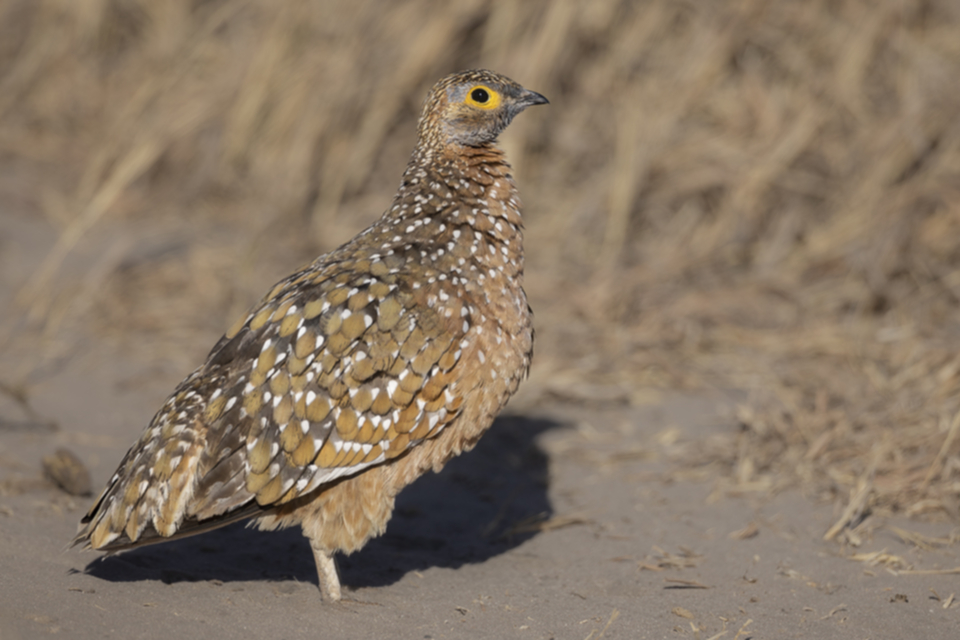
(760, 195)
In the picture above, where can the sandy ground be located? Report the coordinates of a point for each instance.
(567, 521)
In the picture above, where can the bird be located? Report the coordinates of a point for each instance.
(377, 362)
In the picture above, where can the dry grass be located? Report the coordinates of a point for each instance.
(759, 194)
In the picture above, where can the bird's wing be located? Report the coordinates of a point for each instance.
(330, 374)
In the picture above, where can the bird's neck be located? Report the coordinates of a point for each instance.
(459, 211)
(468, 183)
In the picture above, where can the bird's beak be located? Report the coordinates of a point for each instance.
(530, 98)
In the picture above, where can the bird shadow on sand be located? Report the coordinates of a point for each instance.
(482, 504)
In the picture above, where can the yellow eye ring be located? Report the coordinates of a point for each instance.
(482, 97)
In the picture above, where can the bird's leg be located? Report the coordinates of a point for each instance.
(326, 572)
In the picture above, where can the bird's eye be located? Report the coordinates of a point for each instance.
(483, 97)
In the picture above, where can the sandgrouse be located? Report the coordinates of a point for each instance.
(358, 373)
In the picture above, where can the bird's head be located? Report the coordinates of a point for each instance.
(471, 108)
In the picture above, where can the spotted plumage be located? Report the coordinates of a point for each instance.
(356, 374)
